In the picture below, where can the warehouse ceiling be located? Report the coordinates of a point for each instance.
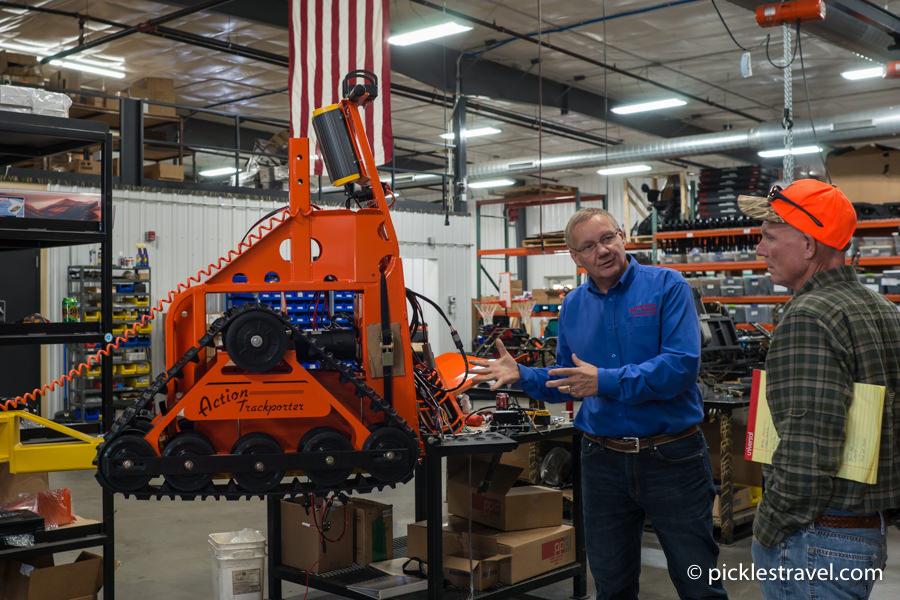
(590, 57)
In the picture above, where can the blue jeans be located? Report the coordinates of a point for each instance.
(672, 485)
(838, 552)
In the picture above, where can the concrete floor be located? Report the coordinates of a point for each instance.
(164, 551)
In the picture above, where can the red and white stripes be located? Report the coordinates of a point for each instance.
(330, 38)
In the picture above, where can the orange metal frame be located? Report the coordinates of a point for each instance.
(311, 250)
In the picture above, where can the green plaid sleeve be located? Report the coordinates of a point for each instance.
(809, 394)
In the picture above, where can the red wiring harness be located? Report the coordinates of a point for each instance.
(201, 275)
(326, 506)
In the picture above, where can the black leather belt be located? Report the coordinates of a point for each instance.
(635, 444)
(849, 521)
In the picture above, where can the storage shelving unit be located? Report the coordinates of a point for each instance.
(27, 136)
(521, 202)
(871, 227)
(131, 360)
(428, 485)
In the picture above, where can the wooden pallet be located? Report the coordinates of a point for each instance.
(552, 239)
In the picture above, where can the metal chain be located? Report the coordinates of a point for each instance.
(788, 160)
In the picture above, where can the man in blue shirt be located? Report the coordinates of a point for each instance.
(629, 349)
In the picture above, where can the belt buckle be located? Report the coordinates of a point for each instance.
(637, 444)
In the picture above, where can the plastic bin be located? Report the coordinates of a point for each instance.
(239, 559)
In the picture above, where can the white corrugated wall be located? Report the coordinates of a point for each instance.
(192, 231)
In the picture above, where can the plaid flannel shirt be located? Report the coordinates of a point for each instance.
(834, 332)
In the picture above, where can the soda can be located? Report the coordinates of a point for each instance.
(70, 310)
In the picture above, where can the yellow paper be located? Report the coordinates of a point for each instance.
(863, 438)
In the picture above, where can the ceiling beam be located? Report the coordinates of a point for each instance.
(129, 30)
(856, 25)
(435, 66)
(580, 56)
(275, 13)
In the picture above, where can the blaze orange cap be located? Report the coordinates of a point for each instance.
(813, 207)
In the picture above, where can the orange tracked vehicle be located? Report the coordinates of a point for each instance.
(309, 370)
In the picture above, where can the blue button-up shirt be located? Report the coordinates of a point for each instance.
(643, 336)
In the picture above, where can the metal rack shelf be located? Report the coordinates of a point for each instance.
(27, 136)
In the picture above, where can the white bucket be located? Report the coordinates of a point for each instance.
(239, 560)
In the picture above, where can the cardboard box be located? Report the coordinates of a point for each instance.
(159, 89)
(84, 165)
(482, 573)
(742, 498)
(417, 538)
(743, 471)
(501, 506)
(869, 174)
(522, 554)
(301, 545)
(39, 579)
(164, 172)
(542, 296)
(529, 552)
(14, 485)
(373, 531)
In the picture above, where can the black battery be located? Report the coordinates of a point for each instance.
(17, 523)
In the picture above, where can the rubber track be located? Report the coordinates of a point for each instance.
(231, 490)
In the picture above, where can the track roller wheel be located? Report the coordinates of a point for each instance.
(260, 479)
(189, 445)
(390, 466)
(323, 441)
(256, 340)
(131, 474)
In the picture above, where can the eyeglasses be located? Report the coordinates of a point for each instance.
(775, 194)
(607, 240)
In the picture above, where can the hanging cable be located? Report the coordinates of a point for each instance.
(793, 54)
(731, 35)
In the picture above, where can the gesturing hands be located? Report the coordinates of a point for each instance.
(579, 381)
(503, 369)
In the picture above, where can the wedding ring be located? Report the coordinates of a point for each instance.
(564, 388)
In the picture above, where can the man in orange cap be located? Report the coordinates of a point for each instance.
(834, 332)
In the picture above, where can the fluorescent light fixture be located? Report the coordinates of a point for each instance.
(645, 106)
(866, 73)
(428, 33)
(624, 170)
(105, 68)
(470, 133)
(77, 66)
(491, 183)
(219, 171)
(794, 151)
(553, 160)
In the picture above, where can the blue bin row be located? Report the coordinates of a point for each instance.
(320, 320)
(293, 307)
(311, 366)
(289, 296)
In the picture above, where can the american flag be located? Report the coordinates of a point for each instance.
(330, 38)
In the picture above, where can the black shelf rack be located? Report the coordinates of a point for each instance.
(26, 136)
(428, 504)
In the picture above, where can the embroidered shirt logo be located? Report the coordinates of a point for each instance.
(644, 310)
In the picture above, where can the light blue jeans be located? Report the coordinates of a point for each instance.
(822, 563)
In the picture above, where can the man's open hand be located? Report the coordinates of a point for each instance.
(504, 370)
